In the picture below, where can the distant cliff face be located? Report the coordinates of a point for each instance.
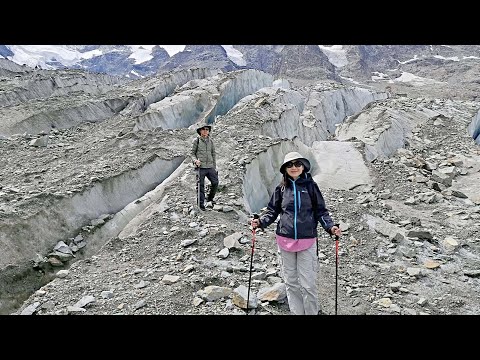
(119, 63)
(306, 62)
(262, 57)
(205, 56)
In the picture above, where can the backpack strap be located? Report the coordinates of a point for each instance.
(196, 151)
(313, 199)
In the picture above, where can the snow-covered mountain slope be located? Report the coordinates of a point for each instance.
(399, 67)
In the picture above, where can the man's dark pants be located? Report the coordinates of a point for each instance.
(212, 175)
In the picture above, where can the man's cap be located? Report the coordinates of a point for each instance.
(204, 126)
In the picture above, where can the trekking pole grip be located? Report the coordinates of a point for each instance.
(256, 216)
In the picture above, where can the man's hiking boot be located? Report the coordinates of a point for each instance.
(202, 208)
(210, 204)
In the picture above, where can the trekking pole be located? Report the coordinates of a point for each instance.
(255, 216)
(336, 271)
(198, 186)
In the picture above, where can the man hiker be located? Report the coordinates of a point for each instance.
(203, 156)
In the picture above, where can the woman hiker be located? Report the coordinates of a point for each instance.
(300, 204)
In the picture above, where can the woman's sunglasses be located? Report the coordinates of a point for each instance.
(295, 163)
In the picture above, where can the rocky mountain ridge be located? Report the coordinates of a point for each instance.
(457, 66)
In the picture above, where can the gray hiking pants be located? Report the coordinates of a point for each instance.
(300, 271)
